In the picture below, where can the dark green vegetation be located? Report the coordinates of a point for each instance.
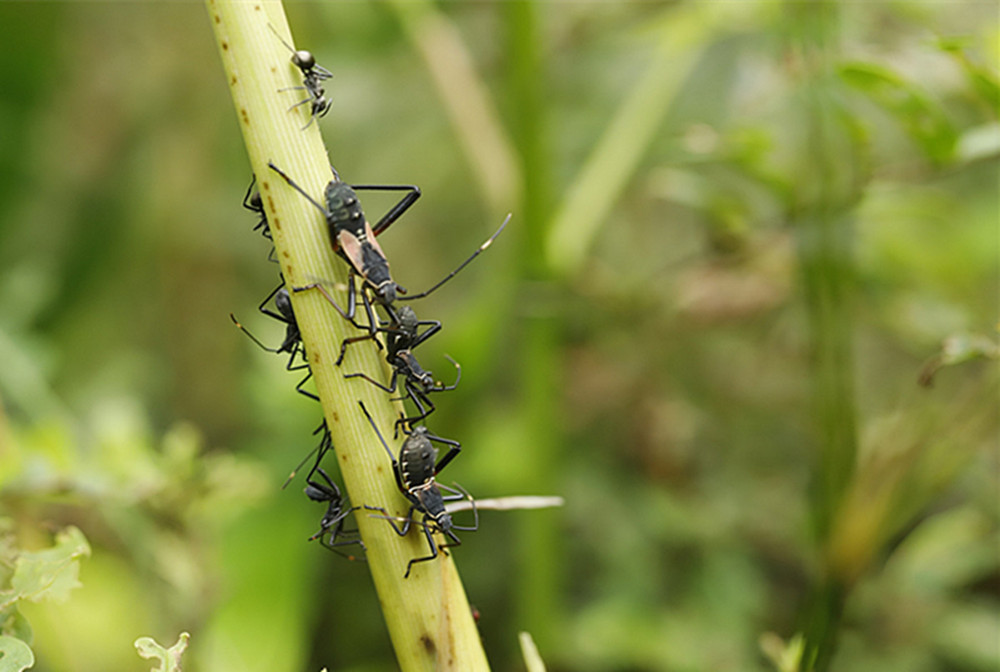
(741, 232)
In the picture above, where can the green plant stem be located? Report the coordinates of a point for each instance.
(538, 370)
(428, 616)
(615, 157)
(830, 187)
(473, 115)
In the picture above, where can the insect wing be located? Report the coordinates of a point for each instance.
(350, 247)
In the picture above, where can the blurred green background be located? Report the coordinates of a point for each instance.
(741, 232)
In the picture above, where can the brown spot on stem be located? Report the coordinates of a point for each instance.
(245, 116)
(286, 255)
(217, 18)
(225, 45)
(428, 644)
(336, 416)
(232, 82)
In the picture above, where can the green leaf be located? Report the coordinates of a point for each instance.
(170, 659)
(983, 80)
(14, 624)
(532, 659)
(979, 143)
(958, 349)
(785, 656)
(920, 117)
(50, 573)
(17, 655)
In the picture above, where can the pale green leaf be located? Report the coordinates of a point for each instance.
(170, 659)
(16, 655)
(52, 572)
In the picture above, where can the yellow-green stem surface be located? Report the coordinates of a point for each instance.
(427, 615)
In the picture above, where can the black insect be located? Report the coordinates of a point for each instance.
(395, 322)
(402, 332)
(402, 326)
(312, 76)
(353, 238)
(293, 338)
(333, 521)
(417, 381)
(415, 471)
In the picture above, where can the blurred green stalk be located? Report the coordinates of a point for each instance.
(826, 193)
(539, 371)
(428, 616)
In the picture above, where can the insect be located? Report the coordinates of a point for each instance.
(417, 381)
(415, 471)
(353, 238)
(293, 338)
(402, 332)
(312, 76)
(333, 520)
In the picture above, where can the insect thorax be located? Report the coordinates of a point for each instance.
(343, 205)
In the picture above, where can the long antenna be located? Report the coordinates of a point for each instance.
(279, 171)
(252, 337)
(326, 443)
(280, 38)
(489, 241)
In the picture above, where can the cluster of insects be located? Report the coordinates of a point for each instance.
(394, 326)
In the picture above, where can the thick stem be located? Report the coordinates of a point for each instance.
(428, 615)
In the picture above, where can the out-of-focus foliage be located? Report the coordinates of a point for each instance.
(33, 576)
(170, 658)
(742, 232)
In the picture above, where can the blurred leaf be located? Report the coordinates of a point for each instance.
(17, 655)
(786, 656)
(626, 139)
(16, 625)
(957, 349)
(947, 552)
(532, 660)
(920, 117)
(50, 573)
(978, 143)
(983, 80)
(170, 659)
(967, 635)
